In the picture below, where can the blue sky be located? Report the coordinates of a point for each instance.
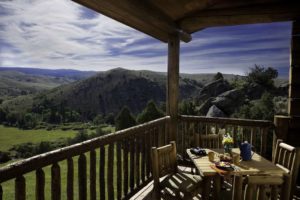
(58, 34)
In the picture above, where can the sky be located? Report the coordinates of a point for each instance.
(61, 34)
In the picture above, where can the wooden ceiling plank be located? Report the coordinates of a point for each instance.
(106, 9)
(139, 15)
(241, 15)
(151, 15)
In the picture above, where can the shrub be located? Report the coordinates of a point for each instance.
(98, 120)
(4, 157)
(81, 136)
(187, 108)
(262, 76)
(124, 119)
(151, 112)
(218, 76)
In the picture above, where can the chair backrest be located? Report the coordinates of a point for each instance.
(287, 158)
(255, 187)
(163, 161)
(213, 141)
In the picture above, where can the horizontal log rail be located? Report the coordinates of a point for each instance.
(256, 132)
(129, 149)
(228, 121)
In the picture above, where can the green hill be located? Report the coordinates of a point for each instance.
(107, 92)
(14, 83)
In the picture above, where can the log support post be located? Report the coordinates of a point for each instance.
(173, 84)
(288, 127)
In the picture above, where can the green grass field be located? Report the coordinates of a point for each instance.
(8, 187)
(11, 136)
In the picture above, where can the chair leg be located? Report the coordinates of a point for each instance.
(156, 193)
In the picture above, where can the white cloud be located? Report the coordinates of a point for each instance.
(62, 34)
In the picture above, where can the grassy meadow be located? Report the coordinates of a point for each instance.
(11, 136)
(8, 187)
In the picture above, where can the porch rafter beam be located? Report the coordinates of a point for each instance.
(140, 15)
(276, 12)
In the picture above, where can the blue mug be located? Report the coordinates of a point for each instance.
(246, 151)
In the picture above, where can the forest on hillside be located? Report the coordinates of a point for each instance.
(254, 96)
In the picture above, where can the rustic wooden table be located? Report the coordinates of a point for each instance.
(258, 165)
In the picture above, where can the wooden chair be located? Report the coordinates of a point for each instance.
(167, 175)
(212, 141)
(256, 187)
(287, 158)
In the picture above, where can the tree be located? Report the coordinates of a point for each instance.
(187, 108)
(151, 112)
(81, 136)
(110, 118)
(124, 119)
(72, 116)
(218, 76)
(2, 115)
(28, 121)
(262, 76)
(12, 118)
(262, 109)
(98, 120)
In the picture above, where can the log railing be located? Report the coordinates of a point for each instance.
(256, 132)
(117, 165)
(122, 160)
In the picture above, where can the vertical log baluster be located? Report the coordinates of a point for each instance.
(149, 147)
(143, 149)
(264, 140)
(20, 188)
(148, 150)
(242, 133)
(235, 136)
(70, 179)
(93, 175)
(102, 173)
(156, 136)
(40, 185)
(253, 134)
(194, 135)
(55, 182)
(132, 146)
(82, 180)
(110, 172)
(137, 160)
(119, 170)
(125, 167)
(185, 138)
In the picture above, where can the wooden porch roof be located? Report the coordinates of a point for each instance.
(159, 18)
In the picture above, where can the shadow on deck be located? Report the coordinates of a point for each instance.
(146, 193)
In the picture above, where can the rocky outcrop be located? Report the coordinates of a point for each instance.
(214, 111)
(254, 91)
(204, 107)
(229, 100)
(213, 89)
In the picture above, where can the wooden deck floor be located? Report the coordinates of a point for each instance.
(146, 193)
